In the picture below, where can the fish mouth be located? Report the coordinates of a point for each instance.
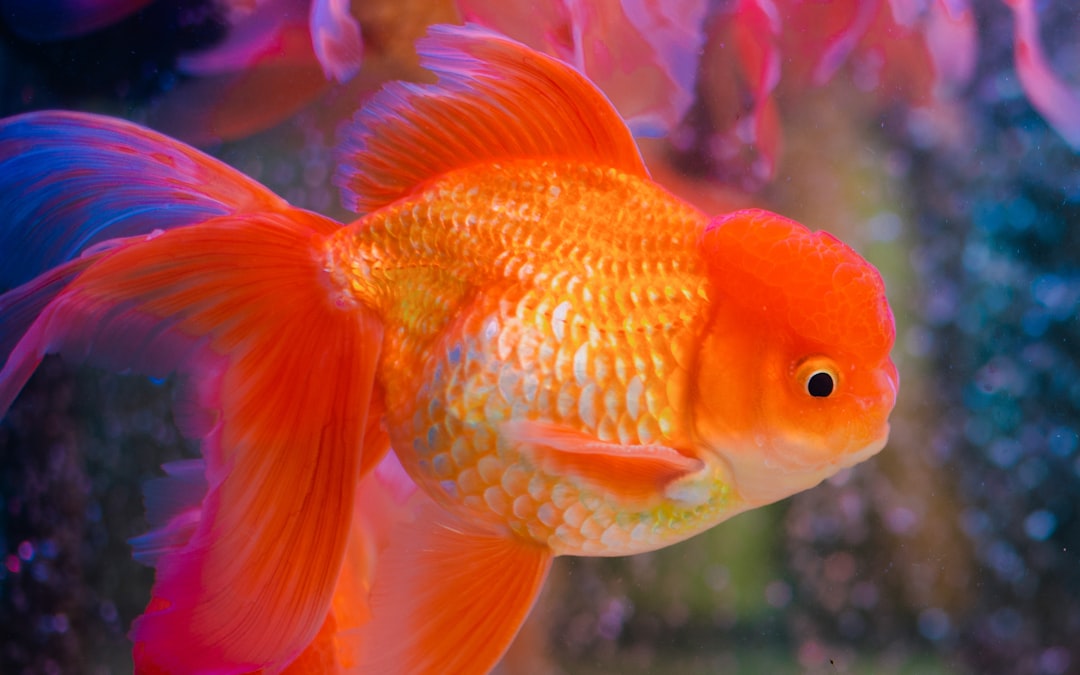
(874, 447)
(764, 470)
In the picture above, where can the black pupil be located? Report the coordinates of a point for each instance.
(820, 384)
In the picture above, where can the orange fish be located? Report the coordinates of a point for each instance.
(565, 358)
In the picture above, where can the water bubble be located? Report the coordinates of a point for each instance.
(885, 226)
(48, 549)
(975, 523)
(811, 654)
(612, 618)
(717, 577)
(918, 341)
(1055, 661)
(978, 430)
(865, 595)
(1005, 452)
(1005, 623)
(1039, 525)
(851, 624)
(901, 520)
(778, 594)
(107, 611)
(60, 623)
(1005, 561)
(40, 573)
(840, 567)
(934, 624)
(1062, 441)
(1020, 213)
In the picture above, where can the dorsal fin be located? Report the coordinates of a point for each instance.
(495, 99)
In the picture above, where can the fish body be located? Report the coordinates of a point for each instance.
(564, 358)
(564, 297)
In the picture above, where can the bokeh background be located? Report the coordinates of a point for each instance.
(956, 550)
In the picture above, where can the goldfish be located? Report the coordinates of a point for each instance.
(559, 356)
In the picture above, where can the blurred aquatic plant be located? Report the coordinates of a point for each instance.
(719, 80)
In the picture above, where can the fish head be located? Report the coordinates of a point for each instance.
(792, 381)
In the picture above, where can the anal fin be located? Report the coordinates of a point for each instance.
(449, 596)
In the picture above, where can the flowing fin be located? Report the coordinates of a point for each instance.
(449, 596)
(173, 507)
(842, 43)
(284, 373)
(266, 69)
(386, 499)
(69, 180)
(495, 99)
(643, 55)
(632, 472)
(336, 39)
(232, 106)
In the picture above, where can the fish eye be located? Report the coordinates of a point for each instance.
(818, 376)
(820, 384)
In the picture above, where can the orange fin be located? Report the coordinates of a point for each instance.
(631, 472)
(382, 506)
(495, 99)
(449, 596)
(279, 377)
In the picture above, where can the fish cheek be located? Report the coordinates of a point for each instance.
(725, 392)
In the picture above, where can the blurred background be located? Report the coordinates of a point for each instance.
(939, 137)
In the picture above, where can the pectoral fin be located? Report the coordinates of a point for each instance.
(631, 472)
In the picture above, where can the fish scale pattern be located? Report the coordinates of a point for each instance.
(514, 303)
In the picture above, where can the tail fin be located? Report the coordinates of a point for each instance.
(69, 181)
(279, 378)
(387, 500)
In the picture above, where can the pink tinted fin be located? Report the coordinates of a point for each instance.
(335, 36)
(449, 596)
(284, 373)
(384, 504)
(266, 70)
(757, 29)
(20, 308)
(235, 105)
(841, 45)
(631, 472)
(952, 40)
(255, 36)
(1050, 95)
(496, 99)
(173, 508)
(644, 55)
